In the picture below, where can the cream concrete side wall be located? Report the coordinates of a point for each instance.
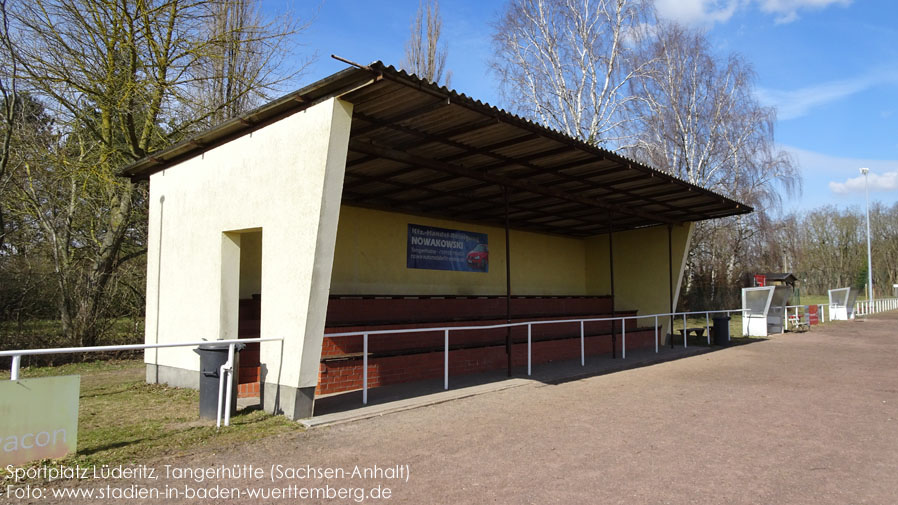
(285, 179)
(640, 267)
(370, 258)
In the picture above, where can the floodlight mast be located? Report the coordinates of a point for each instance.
(864, 171)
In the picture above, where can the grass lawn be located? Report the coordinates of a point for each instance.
(123, 420)
(815, 299)
(699, 321)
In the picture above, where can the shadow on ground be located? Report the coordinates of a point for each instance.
(348, 405)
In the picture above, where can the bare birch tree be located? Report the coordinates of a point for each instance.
(697, 118)
(566, 63)
(425, 56)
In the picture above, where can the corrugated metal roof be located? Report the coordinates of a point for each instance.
(420, 148)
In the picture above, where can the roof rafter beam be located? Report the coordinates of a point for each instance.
(454, 132)
(468, 151)
(378, 123)
(393, 154)
(461, 198)
(474, 216)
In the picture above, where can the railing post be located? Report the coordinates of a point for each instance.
(685, 333)
(623, 341)
(656, 334)
(708, 327)
(729, 315)
(14, 369)
(582, 346)
(446, 360)
(529, 326)
(229, 387)
(221, 378)
(364, 369)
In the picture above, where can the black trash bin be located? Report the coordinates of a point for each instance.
(722, 330)
(212, 357)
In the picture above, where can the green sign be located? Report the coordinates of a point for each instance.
(38, 418)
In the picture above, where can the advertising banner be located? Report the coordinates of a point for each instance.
(442, 249)
(38, 418)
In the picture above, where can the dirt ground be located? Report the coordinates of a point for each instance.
(800, 418)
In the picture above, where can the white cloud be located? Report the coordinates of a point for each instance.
(787, 10)
(887, 181)
(819, 170)
(705, 12)
(791, 104)
(816, 165)
(697, 12)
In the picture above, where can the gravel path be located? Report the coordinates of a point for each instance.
(801, 418)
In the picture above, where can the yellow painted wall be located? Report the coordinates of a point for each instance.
(640, 267)
(370, 258)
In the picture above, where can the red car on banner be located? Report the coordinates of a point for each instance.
(479, 257)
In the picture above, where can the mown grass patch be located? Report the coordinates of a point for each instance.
(123, 420)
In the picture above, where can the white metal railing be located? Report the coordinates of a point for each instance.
(862, 308)
(796, 316)
(868, 307)
(529, 324)
(227, 368)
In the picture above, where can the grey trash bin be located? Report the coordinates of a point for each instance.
(722, 330)
(212, 357)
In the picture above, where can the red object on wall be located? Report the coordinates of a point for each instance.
(813, 315)
(760, 280)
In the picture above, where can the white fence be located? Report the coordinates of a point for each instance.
(226, 370)
(864, 308)
(446, 330)
(867, 307)
(793, 317)
(792, 314)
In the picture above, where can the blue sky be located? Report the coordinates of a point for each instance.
(829, 66)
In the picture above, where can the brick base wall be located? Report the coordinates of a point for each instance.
(346, 375)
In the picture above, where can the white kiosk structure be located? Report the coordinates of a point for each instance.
(764, 310)
(841, 304)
